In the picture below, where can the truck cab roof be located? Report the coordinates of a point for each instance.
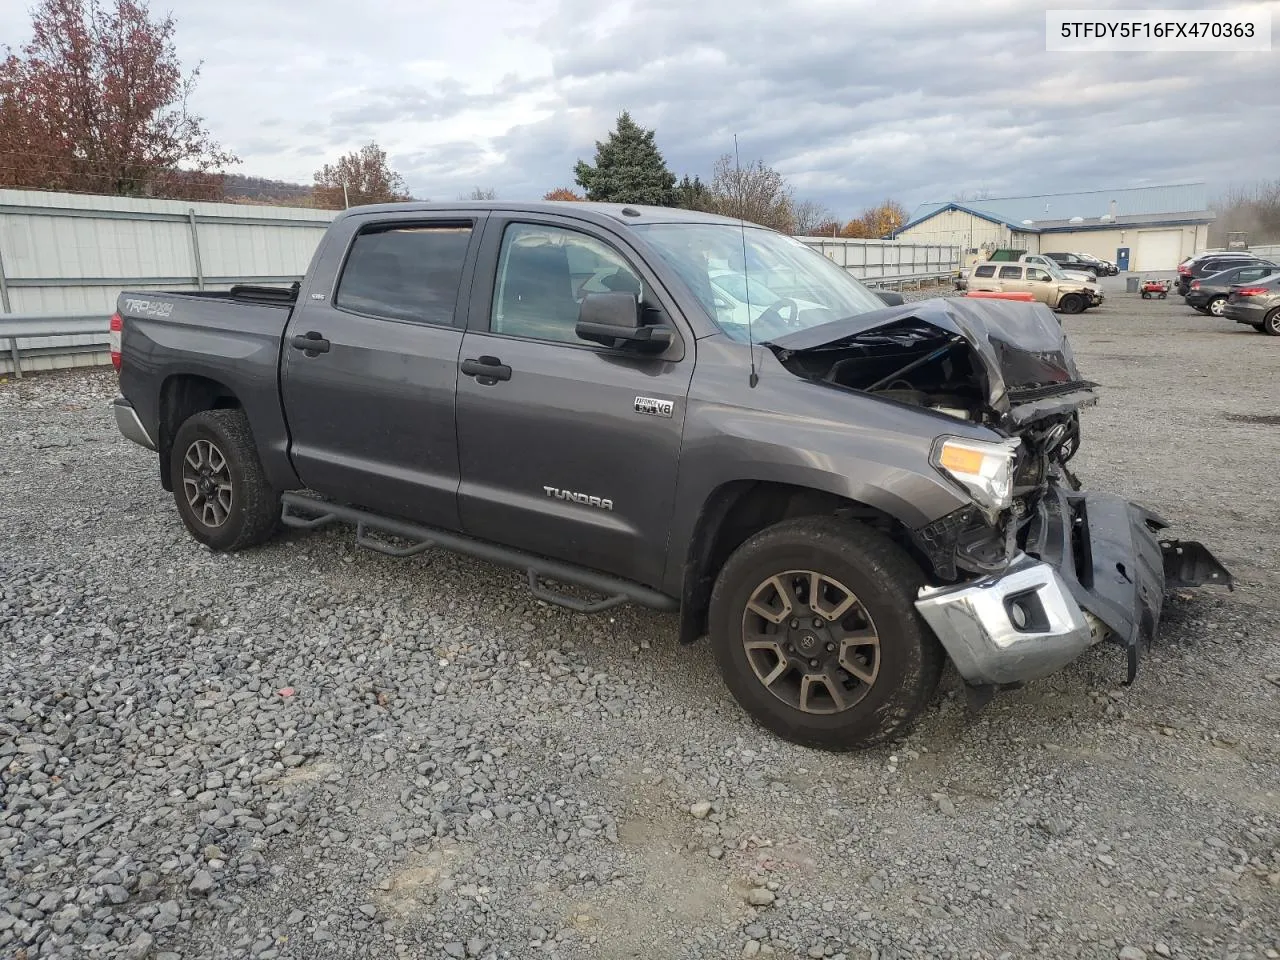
(629, 213)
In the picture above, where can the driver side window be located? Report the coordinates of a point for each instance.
(1034, 273)
(544, 273)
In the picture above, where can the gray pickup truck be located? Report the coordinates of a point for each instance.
(673, 409)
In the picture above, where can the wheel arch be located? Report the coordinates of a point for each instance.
(181, 396)
(739, 508)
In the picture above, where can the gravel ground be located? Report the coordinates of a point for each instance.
(311, 751)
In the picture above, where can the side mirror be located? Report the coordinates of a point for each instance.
(891, 298)
(616, 320)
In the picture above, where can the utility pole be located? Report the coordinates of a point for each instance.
(346, 204)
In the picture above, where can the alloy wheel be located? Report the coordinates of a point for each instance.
(206, 482)
(811, 642)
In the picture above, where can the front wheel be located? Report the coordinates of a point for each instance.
(1271, 324)
(222, 494)
(817, 637)
(1217, 305)
(1071, 303)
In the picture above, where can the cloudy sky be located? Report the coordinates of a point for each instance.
(853, 101)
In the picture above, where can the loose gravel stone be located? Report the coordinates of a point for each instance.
(480, 768)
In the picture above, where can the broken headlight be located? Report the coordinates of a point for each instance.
(983, 468)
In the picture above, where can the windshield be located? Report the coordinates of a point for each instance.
(788, 286)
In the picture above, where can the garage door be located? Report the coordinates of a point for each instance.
(1158, 250)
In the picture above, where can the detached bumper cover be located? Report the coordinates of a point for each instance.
(129, 425)
(1094, 566)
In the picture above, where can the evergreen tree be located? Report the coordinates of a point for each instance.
(628, 168)
(693, 195)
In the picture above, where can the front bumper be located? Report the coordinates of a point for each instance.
(1094, 568)
(129, 425)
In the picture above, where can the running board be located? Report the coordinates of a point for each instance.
(616, 591)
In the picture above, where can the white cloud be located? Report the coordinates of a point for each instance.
(853, 101)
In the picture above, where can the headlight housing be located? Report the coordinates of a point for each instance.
(983, 468)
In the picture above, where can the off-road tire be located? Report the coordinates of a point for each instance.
(254, 512)
(1271, 323)
(1072, 303)
(885, 581)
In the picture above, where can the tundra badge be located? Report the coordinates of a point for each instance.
(654, 407)
(582, 498)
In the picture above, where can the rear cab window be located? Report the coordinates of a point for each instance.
(405, 271)
(987, 270)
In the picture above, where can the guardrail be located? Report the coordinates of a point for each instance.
(24, 326)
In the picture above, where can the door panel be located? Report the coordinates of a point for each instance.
(372, 418)
(559, 459)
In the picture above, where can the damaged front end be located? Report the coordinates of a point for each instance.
(1028, 580)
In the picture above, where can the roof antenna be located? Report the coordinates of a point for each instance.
(746, 273)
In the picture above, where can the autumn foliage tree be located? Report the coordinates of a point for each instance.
(561, 193)
(876, 222)
(96, 101)
(367, 176)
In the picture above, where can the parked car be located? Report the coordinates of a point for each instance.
(1257, 304)
(1206, 265)
(1072, 261)
(1006, 255)
(1209, 294)
(1040, 260)
(1069, 296)
(840, 499)
(1106, 266)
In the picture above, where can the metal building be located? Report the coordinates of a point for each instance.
(1137, 228)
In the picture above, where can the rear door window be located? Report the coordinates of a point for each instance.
(405, 271)
(1010, 273)
(985, 271)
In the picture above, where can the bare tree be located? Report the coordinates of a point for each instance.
(809, 216)
(480, 193)
(1252, 209)
(756, 193)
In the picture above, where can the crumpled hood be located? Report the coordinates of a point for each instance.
(1021, 347)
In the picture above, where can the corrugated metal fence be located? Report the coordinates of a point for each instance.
(889, 262)
(69, 255)
(66, 255)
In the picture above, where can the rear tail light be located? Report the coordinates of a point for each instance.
(1195, 284)
(1252, 292)
(117, 327)
(1184, 271)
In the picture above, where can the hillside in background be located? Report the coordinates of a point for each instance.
(261, 190)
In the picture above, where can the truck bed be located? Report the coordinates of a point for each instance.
(176, 347)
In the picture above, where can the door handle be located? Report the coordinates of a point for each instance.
(311, 342)
(486, 370)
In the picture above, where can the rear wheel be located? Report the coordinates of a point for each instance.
(816, 633)
(1071, 303)
(1217, 305)
(1271, 324)
(222, 494)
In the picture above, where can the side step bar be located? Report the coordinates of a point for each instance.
(616, 591)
